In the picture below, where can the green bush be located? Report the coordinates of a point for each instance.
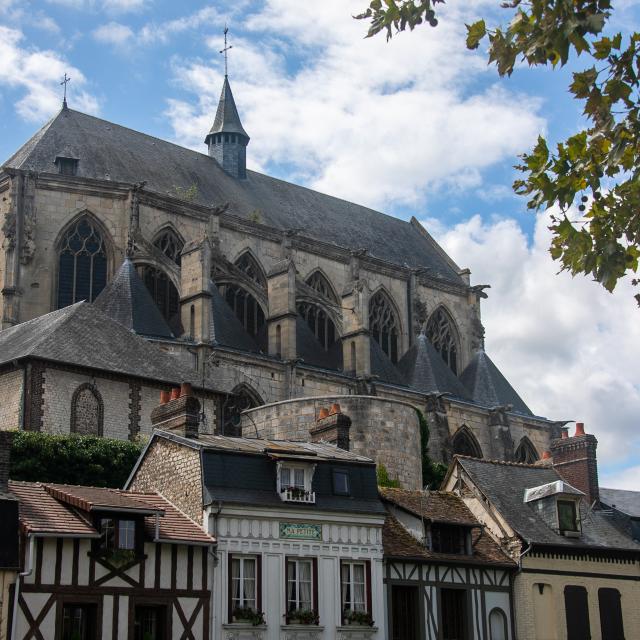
(383, 478)
(72, 459)
(433, 473)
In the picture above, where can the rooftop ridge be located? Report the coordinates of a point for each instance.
(505, 463)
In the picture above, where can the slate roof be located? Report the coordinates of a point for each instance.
(63, 510)
(382, 367)
(425, 370)
(127, 300)
(242, 471)
(433, 506)
(107, 151)
(227, 119)
(488, 387)
(83, 336)
(505, 483)
(627, 502)
(226, 329)
(398, 543)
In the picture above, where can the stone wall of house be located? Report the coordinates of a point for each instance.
(173, 471)
(385, 430)
(11, 397)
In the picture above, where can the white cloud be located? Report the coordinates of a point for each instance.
(627, 479)
(113, 33)
(571, 349)
(161, 32)
(369, 121)
(108, 6)
(36, 74)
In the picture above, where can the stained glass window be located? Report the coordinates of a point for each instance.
(383, 324)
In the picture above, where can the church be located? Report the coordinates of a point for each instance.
(265, 295)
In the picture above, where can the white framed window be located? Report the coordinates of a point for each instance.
(126, 534)
(354, 585)
(292, 477)
(295, 482)
(243, 576)
(300, 584)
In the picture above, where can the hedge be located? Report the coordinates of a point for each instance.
(72, 459)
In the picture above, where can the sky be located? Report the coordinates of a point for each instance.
(417, 126)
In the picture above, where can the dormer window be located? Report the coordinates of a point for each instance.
(340, 479)
(117, 535)
(450, 539)
(294, 482)
(567, 517)
(67, 166)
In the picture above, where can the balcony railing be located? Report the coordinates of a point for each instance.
(294, 494)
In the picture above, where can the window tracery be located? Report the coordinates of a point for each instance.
(383, 324)
(526, 452)
(319, 322)
(249, 265)
(319, 283)
(442, 334)
(82, 263)
(241, 398)
(464, 443)
(87, 411)
(169, 243)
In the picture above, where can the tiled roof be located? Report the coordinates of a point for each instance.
(108, 151)
(504, 485)
(84, 336)
(488, 387)
(425, 370)
(433, 506)
(127, 300)
(627, 502)
(399, 543)
(63, 510)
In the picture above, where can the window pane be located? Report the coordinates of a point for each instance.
(299, 478)
(107, 533)
(567, 515)
(285, 477)
(126, 534)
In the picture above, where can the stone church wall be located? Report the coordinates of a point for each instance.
(11, 394)
(385, 430)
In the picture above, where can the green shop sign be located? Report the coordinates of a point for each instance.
(300, 531)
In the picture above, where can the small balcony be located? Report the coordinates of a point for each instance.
(295, 494)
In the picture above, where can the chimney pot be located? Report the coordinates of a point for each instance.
(546, 455)
(186, 389)
(580, 429)
(335, 408)
(324, 412)
(175, 393)
(565, 434)
(164, 396)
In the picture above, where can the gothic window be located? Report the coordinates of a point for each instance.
(82, 263)
(245, 306)
(247, 263)
(443, 336)
(319, 322)
(320, 284)
(169, 243)
(526, 452)
(383, 324)
(87, 411)
(162, 290)
(464, 443)
(241, 398)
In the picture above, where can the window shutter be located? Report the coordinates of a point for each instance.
(259, 582)
(367, 572)
(314, 564)
(577, 613)
(611, 623)
(230, 587)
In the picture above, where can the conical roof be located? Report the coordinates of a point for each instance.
(489, 387)
(226, 329)
(227, 119)
(382, 366)
(426, 371)
(127, 300)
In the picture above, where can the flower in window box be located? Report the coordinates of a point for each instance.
(248, 615)
(302, 616)
(358, 618)
(119, 557)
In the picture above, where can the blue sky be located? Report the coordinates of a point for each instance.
(418, 126)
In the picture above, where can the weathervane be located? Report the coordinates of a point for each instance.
(64, 83)
(226, 48)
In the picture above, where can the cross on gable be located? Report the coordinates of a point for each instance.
(226, 49)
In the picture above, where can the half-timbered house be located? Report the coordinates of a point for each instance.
(298, 526)
(104, 564)
(579, 575)
(445, 579)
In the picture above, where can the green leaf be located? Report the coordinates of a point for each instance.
(475, 33)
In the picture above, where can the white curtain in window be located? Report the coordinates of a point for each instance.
(285, 477)
(346, 586)
(249, 583)
(299, 478)
(235, 581)
(291, 586)
(358, 587)
(497, 624)
(305, 584)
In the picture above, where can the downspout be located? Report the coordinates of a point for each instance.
(213, 531)
(512, 582)
(16, 594)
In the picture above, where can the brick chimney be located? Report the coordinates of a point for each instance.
(5, 458)
(332, 426)
(574, 458)
(178, 412)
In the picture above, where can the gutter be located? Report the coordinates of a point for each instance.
(16, 594)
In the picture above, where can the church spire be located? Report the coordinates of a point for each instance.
(227, 140)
